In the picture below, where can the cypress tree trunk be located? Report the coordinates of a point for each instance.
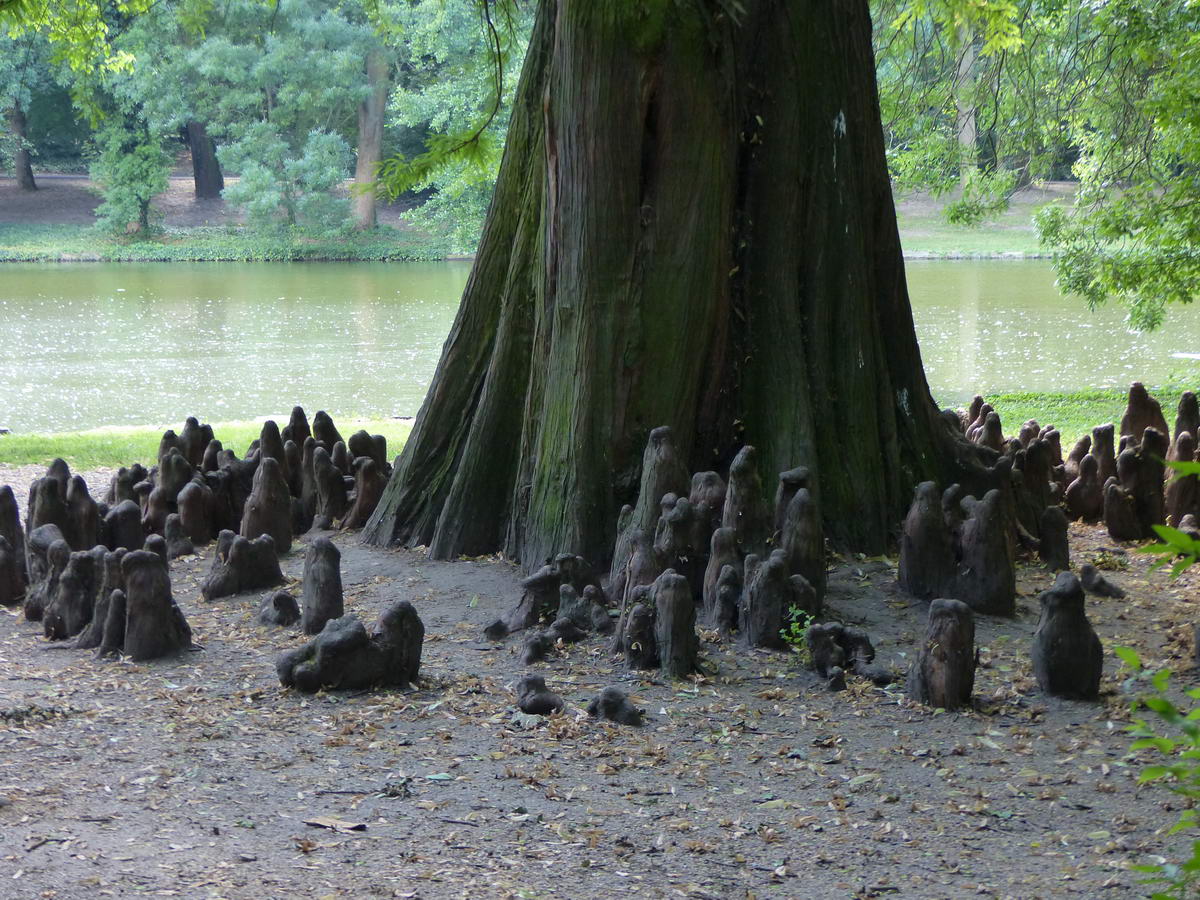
(206, 171)
(22, 164)
(692, 226)
(370, 140)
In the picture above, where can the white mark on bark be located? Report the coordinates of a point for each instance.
(902, 398)
(839, 124)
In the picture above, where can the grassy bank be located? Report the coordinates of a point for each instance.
(1075, 413)
(113, 447)
(930, 236)
(922, 236)
(925, 233)
(81, 243)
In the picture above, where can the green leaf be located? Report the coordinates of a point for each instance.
(1129, 656)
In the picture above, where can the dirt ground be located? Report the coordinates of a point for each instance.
(72, 200)
(193, 777)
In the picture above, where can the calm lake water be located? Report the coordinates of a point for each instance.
(95, 344)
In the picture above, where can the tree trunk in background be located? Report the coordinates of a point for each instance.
(964, 102)
(370, 140)
(692, 226)
(206, 171)
(22, 163)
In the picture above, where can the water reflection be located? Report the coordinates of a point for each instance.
(131, 344)
(128, 344)
(1002, 326)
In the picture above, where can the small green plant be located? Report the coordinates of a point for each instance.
(1179, 744)
(795, 633)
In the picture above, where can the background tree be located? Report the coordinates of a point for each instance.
(24, 69)
(131, 169)
(973, 97)
(231, 73)
(160, 82)
(283, 184)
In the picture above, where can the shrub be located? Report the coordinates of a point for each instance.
(279, 185)
(131, 169)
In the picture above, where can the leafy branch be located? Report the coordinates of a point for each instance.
(396, 174)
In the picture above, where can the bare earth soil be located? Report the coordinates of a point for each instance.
(72, 200)
(193, 777)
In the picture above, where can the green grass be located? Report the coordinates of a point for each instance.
(929, 234)
(114, 447)
(1075, 413)
(51, 243)
(924, 231)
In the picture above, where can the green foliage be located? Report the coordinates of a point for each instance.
(131, 168)
(1175, 547)
(795, 633)
(79, 30)
(1177, 739)
(997, 64)
(1134, 231)
(1018, 72)
(461, 61)
(57, 135)
(995, 20)
(279, 186)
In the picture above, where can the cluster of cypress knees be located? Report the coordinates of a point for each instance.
(960, 552)
(695, 550)
(95, 574)
(712, 552)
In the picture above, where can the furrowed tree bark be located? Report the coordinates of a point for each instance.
(206, 171)
(692, 226)
(370, 139)
(22, 161)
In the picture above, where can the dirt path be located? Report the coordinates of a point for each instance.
(72, 200)
(193, 777)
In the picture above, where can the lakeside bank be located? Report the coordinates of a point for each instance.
(1073, 413)
(233, 243)
(54, 224)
